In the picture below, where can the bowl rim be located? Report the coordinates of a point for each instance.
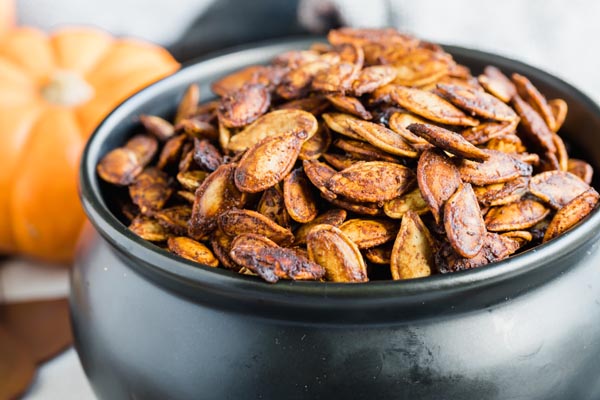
(165, 266)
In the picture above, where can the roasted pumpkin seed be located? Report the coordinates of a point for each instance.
(498, 84)
(329, 247)
(571, 213)
(299, 199)
(449, 141)
(192, 250)
(463, 222)
(244, 106)
(236, 222)
(557, 188)
(438, 179)
(515, 216)
(412, 254)
(476, 102)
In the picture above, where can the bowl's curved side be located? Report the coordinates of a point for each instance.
(485, 285)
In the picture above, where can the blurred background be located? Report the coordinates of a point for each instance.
(555, 35)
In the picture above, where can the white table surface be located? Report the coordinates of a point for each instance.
(62, 377)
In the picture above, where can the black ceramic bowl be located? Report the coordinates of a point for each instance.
(149, 325)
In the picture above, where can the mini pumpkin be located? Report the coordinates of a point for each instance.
(54, 90)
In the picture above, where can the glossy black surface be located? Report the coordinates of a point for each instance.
(149, 325)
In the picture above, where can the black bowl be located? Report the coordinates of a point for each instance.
(149, 325)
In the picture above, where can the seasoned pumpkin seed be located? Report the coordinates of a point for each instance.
(412, 254)
(571, 213)
(192, 250)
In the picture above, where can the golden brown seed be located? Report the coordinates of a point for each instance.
(380, 254)
(339, 76)
(298, 196)
(420, 67)
(382, 138)
(362, 150)
(267, 162)
(275, 123)
(162, 129)
(411, 201)
(561, 152)
(523, 237)
(119, 166)
(296, 83)
(148, 229)
(206, 155)
(235, 222)
(215, 195)
(314, 105)
(340, 123)
(449, 141)
(498, 84)
(319, 174)
(197, 127)
(171, 151)
(221, 246)
(365, 37)
(476, 102)
(189, 102)
(438, 179)
(559, 111)
(191, 180)
(363, 208)
(502, 193)
(535, 99)
(192, 250)
(581, 169)
(187, 196)
(430, 106)
(486, 131)
(367, 233)
(399, 121)
(224, 134)
(334, 216)
(318, 144)
(495, 248)
(534, 127)
(235, 81)
(412, 254)
(144, 146)
(519, 215)
(187, 159)
(463, 222)
(557, 188)
(150, 190)
(272, 206)
(244, 106)
(571, 213)
(506, 144)
(271, 262)
(350, 105)
(372, 181)
(339, 161)
(370, 78)
(341, 258)
(174, 219)
(498, 168)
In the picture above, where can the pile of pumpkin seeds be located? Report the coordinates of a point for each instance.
(372, 156)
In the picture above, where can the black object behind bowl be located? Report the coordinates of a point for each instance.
(150, 325)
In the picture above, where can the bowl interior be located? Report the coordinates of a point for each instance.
(579, 131)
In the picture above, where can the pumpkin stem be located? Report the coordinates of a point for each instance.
(67, 88)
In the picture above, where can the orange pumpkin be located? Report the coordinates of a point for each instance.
(7, 15)
(54, 90)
